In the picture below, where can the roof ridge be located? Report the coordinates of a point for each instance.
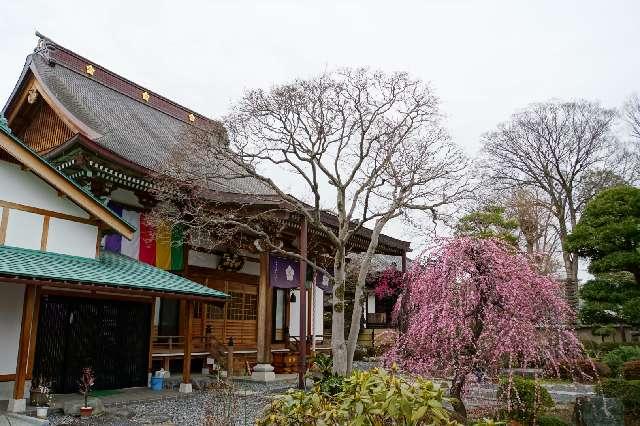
(55, 53)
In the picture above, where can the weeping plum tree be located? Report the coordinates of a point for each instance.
(476, 304)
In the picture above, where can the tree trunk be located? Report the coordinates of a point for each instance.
(530, 245)
(359, 298)
(338, 344)
(570, 261)
(457, 385)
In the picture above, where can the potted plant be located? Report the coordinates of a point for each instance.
(87, 380)
(35, 396)
(41, 396)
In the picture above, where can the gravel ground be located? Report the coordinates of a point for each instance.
(242, 405)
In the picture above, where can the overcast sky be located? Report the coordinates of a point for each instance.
(484, 58)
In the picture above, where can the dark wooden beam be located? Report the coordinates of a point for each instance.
(263, 342)
(188, 342)
(34, 333)
(28, 309)
(302, 360)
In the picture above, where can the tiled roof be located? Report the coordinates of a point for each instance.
(110, 269)
(142, 132)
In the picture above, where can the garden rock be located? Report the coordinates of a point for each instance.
(72, 408)
(598, 411)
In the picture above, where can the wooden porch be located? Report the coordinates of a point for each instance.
(168, 352)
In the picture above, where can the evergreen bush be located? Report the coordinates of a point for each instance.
(619, 356)
(525, 399)
(551, 421)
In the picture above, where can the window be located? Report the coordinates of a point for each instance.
(197, 310)
(215, 312)
(251, 306)
(242, 306)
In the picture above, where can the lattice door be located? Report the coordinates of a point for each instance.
(110, 336)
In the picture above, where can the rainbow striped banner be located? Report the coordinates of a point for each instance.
(162, 247)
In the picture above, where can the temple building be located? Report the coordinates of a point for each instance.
(65, 303)
(106, 136)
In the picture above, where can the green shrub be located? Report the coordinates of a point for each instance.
(525, 399)
(607, 347)
(322, 374)
(360, 353)
(619, 356)
(551, 421)
(367, 398)
(631, 370)
(628, 391)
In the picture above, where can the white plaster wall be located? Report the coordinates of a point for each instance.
(6, 390)
(11, 301)
(207, 260)
(24, 229)
(250, 268)
(73, 238)
(294, 314)
(371, 303)
(24, 187)
(318, 324)
(123, 196)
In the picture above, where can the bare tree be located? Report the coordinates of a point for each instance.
(537, 228)
(551, 147)
(631, 114)
(366, 146)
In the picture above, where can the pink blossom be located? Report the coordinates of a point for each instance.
(478, 305)
(390, 283)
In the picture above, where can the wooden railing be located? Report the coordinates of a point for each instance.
(170, 344)
(379, 318)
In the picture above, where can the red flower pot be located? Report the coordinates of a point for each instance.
(86, 411)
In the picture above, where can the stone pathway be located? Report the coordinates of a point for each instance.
(242, 404)
(562, 393)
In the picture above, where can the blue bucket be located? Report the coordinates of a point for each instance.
(156, 383)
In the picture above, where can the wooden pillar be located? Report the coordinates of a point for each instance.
(28, 309)
(230, 359)
(152, 319)
(34, 334)
(302, 361)
(188, 342)
(404, 261)
(263, 337)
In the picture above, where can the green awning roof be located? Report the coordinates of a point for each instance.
(110, 269)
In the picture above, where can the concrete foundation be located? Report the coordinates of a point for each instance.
(186, 388)
(17, 406)
(263, 373)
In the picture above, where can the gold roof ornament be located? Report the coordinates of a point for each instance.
(90, 69)
(192, 117)
(145, 96)
(32, 95)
